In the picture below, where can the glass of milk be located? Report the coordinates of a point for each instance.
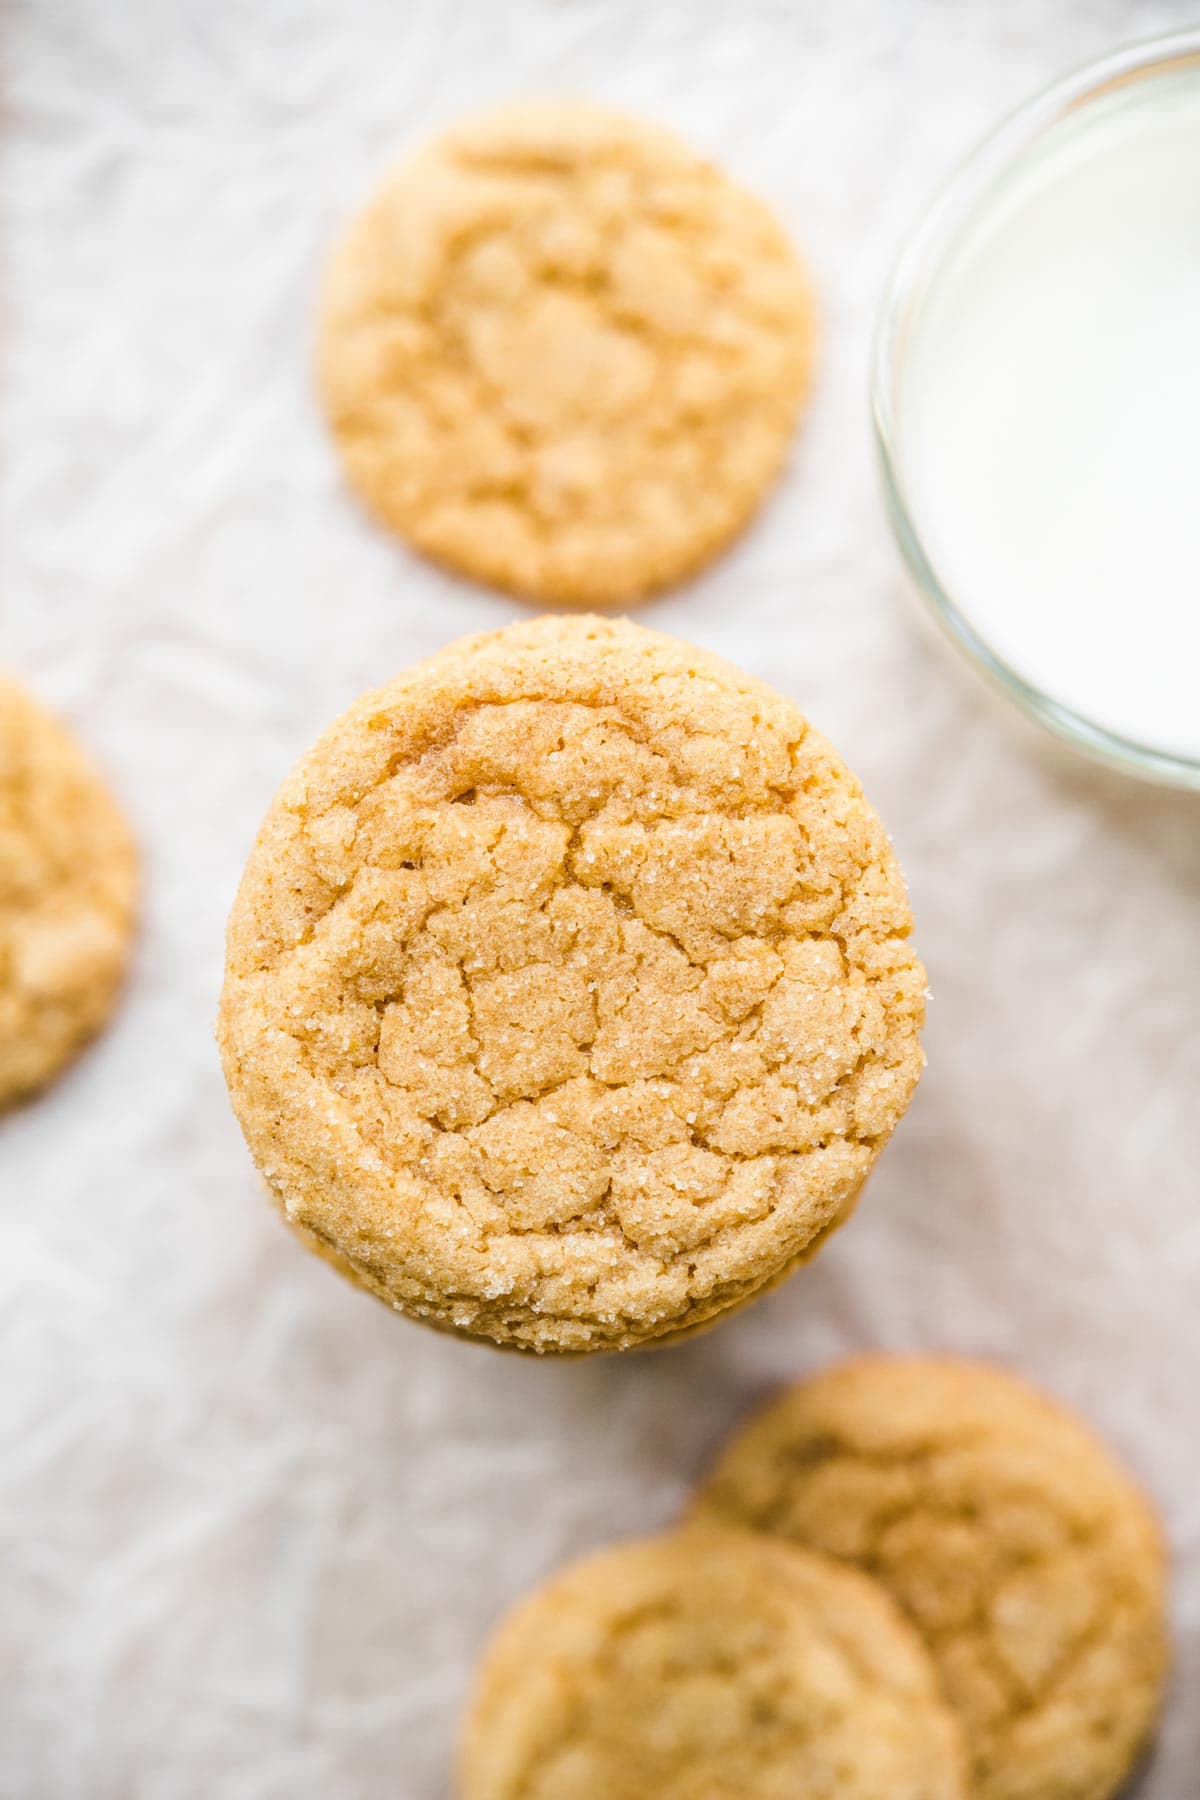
(1036, 394)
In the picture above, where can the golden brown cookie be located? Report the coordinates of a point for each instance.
(67, 889)
(1025, 1556)
(569, 993)
(560, 352)
(708, 1666)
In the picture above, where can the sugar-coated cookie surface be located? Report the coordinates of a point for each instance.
(1025, 1556)
(569, 995)
(562, 353)
(68, 882)
(708, 1665)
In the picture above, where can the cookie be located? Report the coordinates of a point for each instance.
(569, 996)
(561, 353)
(67, 891)
(708, 1666)
(1024, 1555)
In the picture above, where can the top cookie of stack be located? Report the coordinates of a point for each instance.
(569, 998)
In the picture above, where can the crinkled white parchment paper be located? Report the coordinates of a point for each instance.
(253, 1528)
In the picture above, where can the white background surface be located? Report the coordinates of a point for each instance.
(252, 1528)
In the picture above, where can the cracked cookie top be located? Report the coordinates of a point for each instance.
(569, 994)
(708, 1666)
(1027, 1559)
(67, 889)
(563, 354)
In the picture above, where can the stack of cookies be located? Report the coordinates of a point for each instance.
(907, 1578)
(570, 996)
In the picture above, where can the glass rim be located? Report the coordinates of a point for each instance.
(953, 207)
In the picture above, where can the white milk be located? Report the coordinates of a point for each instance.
(1049, 415)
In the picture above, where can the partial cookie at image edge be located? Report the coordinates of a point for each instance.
(707, 1657)
(68, 891)
(1032, 1564)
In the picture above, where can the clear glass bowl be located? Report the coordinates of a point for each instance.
(977, 183)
